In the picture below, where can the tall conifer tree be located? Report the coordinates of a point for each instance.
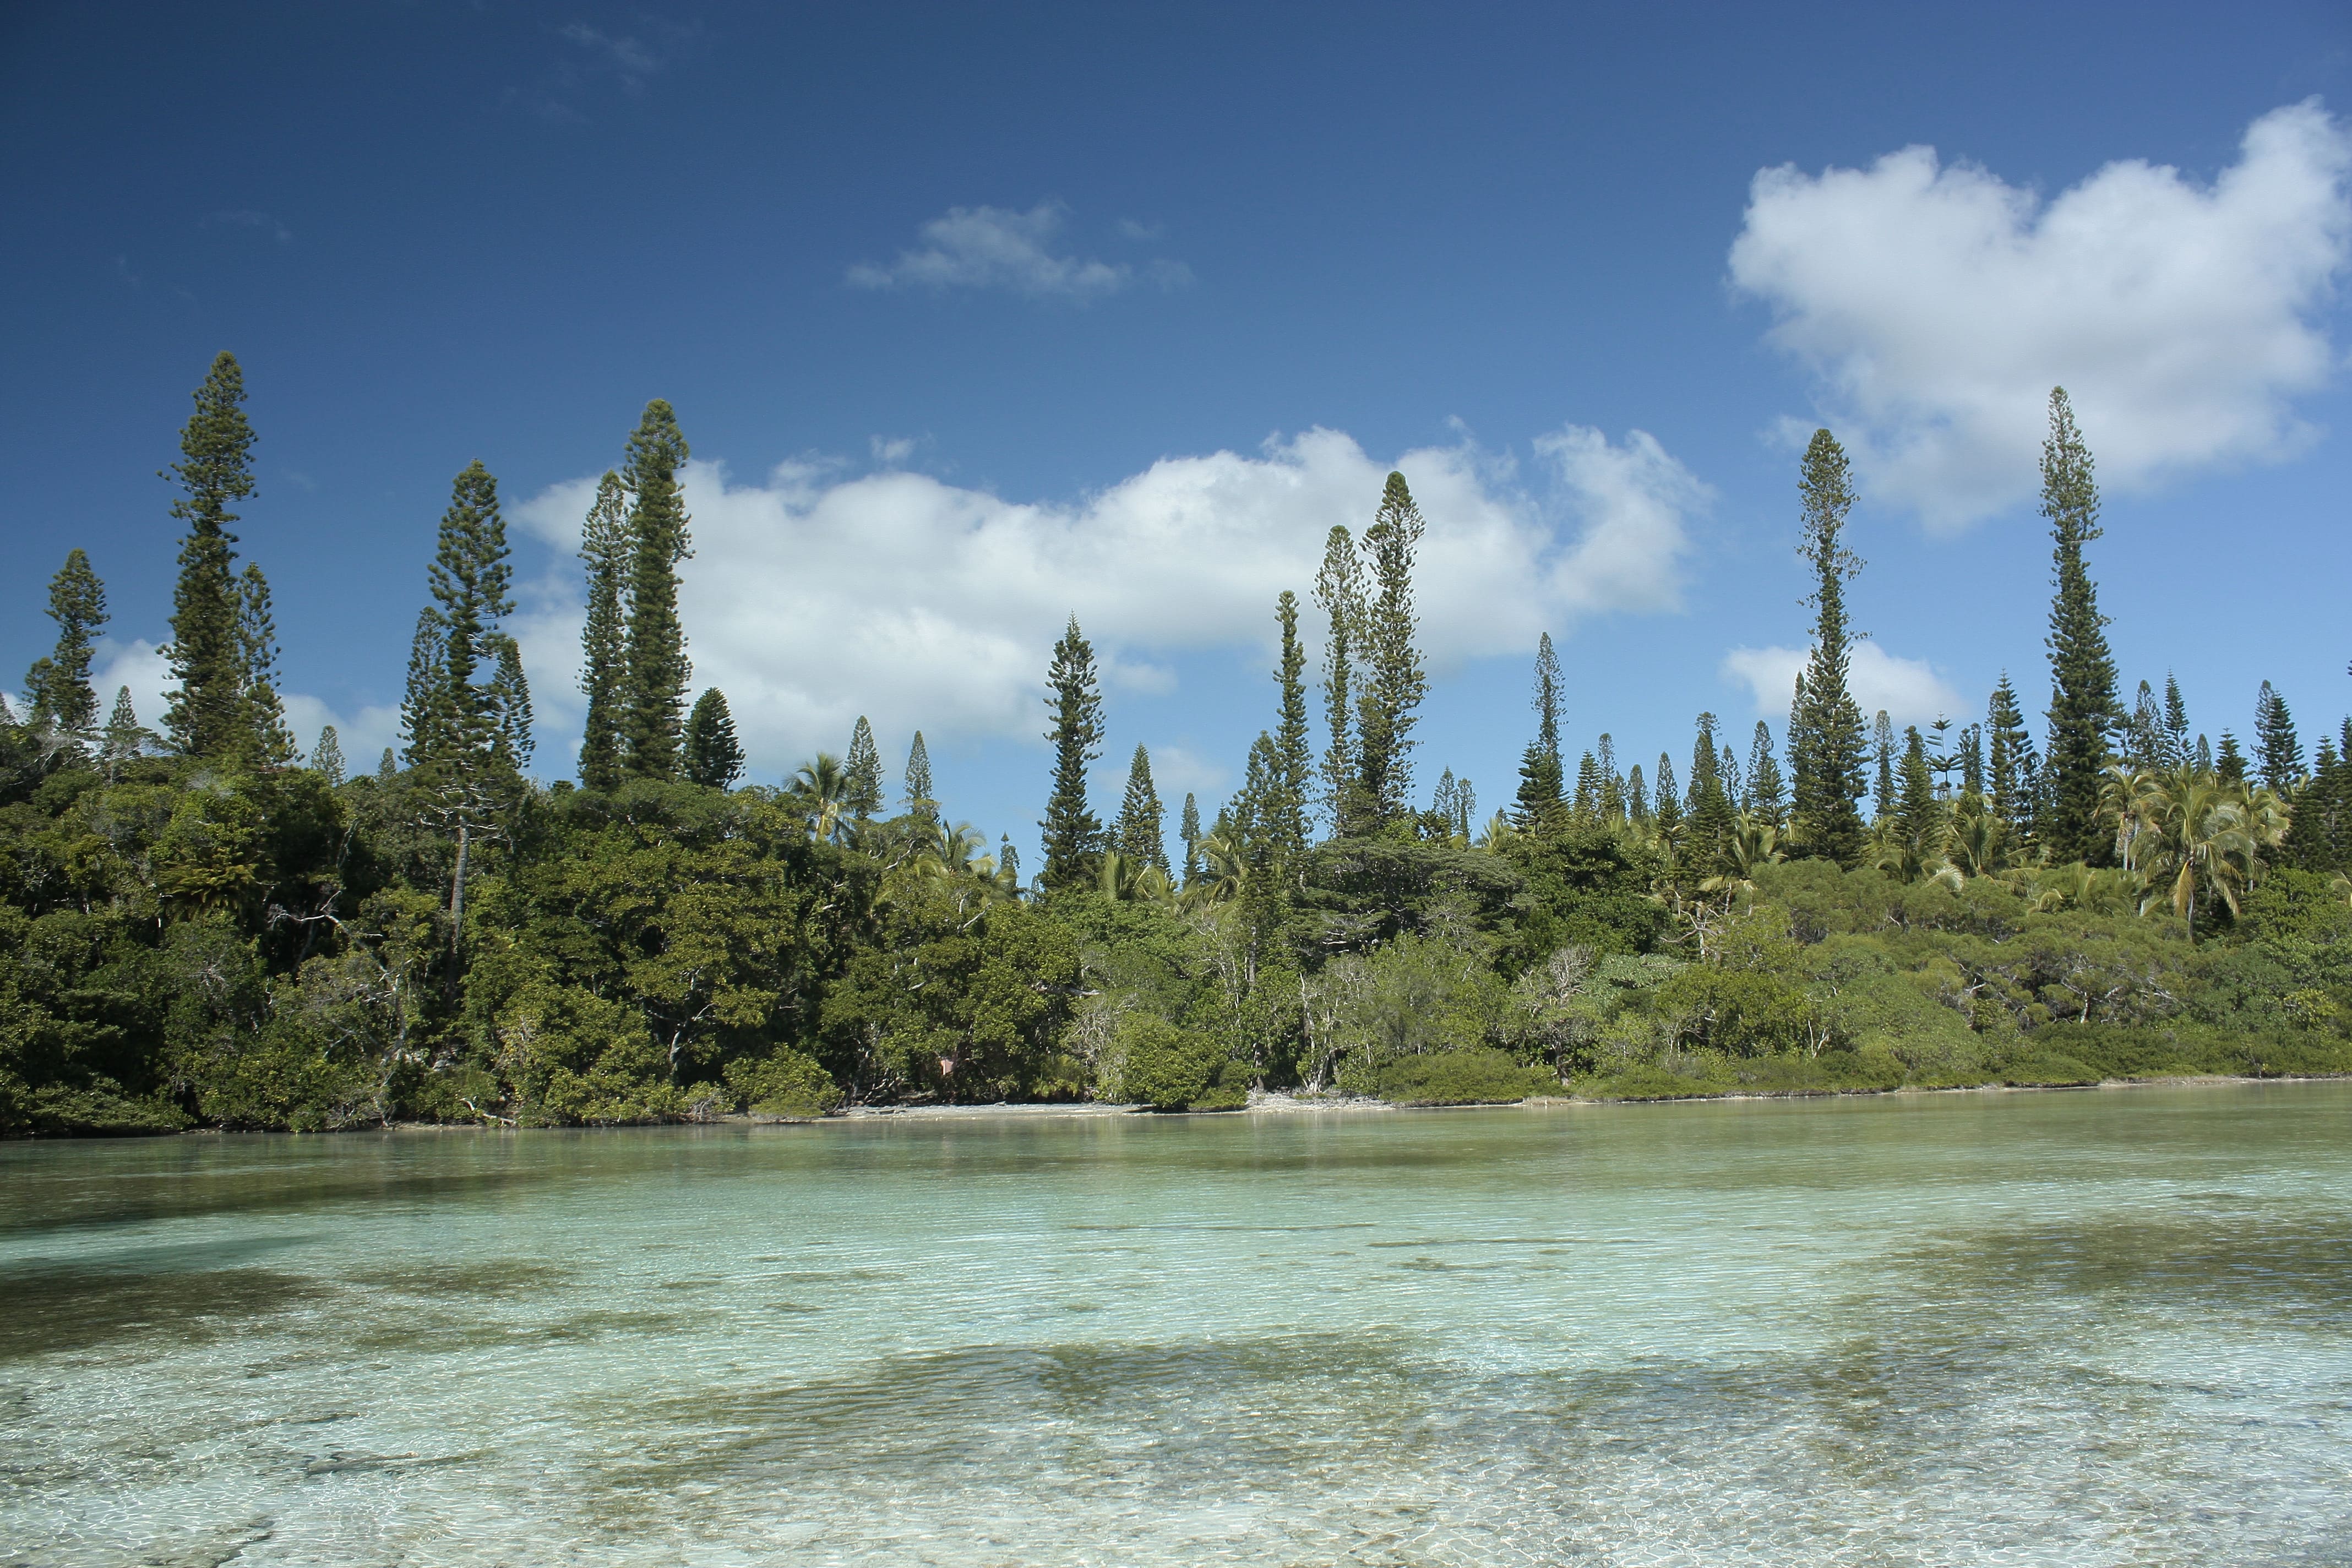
(1142, 823)
(58, 688)
(207, 716)
(326, 758)
(1637, 798)
(1394, 679)
(1708, 812)
(1340, 593)
(1073, 834)
(510, 702)
(652, 706)
(862, 772)
(264, 741)
(2083, 706)
(2176, 720)
(2010, 755)
(1825, 734)
(713, 757)
(472, 584)
(422, 722)
(1667, 796)
(126, 738)
(2278, 752)
(1190, 827)
(922, 804)
(1542, 779)
(1767, 795)
(1881, 746)
(2231, 765)
(1294, 744)
(604, 638)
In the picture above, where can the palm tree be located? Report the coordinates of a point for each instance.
(2197, 838)
(1980, 840)
(1755, 842)
(1224, 873)
(820, 791)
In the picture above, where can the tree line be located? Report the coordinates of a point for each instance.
(205, 929)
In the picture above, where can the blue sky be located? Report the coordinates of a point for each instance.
(977, 316)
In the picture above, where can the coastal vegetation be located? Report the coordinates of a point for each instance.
(205, 926)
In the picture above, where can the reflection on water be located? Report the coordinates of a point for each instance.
(2097, 1328)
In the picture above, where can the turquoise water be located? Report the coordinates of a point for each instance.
(2104, 1327)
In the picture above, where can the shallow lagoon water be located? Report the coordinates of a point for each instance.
(2100, 1327)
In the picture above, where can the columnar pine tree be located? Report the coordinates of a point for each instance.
(1767, 795)
(326, 758)
(387, 768)
(207, 715)
(1141, 830)
(1972, 760)
(1612, 786)
(126, 738)
(862, 772)
(1537, 806)
(1072, 832)
(2143, 732)
(1294, 744)
(2176, 720)
(471, 582)
(1340, 593)
(654, 688)
(2231, 765)
(2278, 752)
(423, 725)
(1394, 681)
(1919, 819)
(604, 638)
(511, 703)
(2010, 760)
(1587, 787)
(713, 757)
(1667, 795)
(264, 741)
(1734, 787)
(1637, 797)
(1190, 828)
(1825, 734)
(922, 804)
(1708, 812)
(56, 689)
(2083, 707)
(1881, 746)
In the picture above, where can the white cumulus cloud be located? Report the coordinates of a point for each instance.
(140, 666)
(1908, 690)
(996, 248)
(811, 599)
(1939, 304)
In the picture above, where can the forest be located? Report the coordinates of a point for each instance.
(205, 926)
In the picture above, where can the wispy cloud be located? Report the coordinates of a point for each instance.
(996, 248)
(599, 58)
(1939, 304)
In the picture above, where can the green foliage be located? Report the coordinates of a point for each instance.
(1168, 1067)
(1141, 836)
(603, 635)
(655, 666)
(1387, 709)
(207, 715)
(1825, 738)
(787, 1085)
(56, 689)
(1073, 834)
(714, 758)
(1479, 1076)
(2083, 708)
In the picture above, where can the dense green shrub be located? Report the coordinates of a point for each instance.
(1168, 1067)
(1480, 1075)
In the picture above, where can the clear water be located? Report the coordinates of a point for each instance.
(2108, 1327)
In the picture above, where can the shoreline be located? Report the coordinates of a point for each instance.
(1274, 1103)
